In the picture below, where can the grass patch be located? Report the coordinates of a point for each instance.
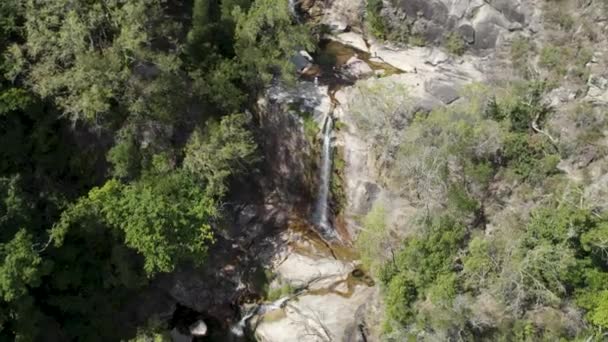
(279, 292)
(555, 59)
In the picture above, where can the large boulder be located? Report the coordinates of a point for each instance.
(198, 328)
(357, 68)
(479, 23)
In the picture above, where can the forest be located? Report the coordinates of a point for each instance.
(121, 126)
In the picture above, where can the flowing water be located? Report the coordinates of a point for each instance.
(321, 214)
(238, 330)
(330, 57)
(294, 10)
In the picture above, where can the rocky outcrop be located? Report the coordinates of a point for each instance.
(328, 292)
(327, 317)
(479, 23)
(289, 154)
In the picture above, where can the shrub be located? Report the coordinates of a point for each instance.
(371, 242)
(374, 19)
(454, 44)
(555, 59)
(521, 49)
(532, 158)
(280, 292)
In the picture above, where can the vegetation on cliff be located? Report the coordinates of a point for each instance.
(504, 245)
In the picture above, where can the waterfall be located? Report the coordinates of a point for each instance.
(321, 214)
(293, 10)
(238, 329)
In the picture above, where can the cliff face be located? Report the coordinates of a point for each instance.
(482, 24)
(561, 43)
(505, 42)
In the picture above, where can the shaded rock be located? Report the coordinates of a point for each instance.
(488, 24)
(247, 214)
(431, 10)
(467, 32)
(487, 35)
(302, 60)
(511, 9)
(177, 336)
(357, 68)
(429, 31)
(365, 194)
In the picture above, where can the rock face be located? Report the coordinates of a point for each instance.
(330, 290)
(329, 317)
(479, 23)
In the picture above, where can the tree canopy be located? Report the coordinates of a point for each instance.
(122, 132)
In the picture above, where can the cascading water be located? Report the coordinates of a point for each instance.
(292, 9)
(238, 330)
(321, 214)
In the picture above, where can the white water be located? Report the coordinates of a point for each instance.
(321, 214)
(239, 328)
(292, 9)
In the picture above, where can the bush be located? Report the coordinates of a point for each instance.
(521, 49)
(531, 158)
(555, 59)
(371, 242)
(423, 269)
(454, 44)
(374, 19)
(280, 292)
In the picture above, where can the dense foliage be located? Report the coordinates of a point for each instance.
(122, 129)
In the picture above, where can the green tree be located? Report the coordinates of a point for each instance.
(226, 149)
(267, 39)
(166, 218)
(83, 54)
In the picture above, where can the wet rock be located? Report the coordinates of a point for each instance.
(315, 318)
(357, 68)
(198, 329)
(299, 270)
